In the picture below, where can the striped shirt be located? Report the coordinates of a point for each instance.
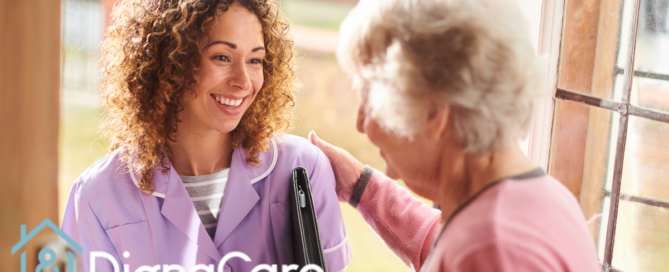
(206, 192)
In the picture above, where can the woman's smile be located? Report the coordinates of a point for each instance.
(229, 104)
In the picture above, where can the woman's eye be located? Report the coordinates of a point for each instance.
(222, 58)
(256, 61)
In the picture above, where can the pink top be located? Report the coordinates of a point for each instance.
(528, 223)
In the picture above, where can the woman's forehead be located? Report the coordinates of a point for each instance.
(237, 25)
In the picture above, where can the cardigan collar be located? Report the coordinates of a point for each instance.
(178, 207)
(238, 164)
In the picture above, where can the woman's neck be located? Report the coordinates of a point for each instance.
(200, 151)
(476, 173)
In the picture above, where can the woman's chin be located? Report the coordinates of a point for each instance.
(226, 126)
(391, 173)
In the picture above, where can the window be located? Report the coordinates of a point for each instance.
(610, 130)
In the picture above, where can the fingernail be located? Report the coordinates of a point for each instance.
(314, 133)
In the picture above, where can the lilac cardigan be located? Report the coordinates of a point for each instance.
(107, 212)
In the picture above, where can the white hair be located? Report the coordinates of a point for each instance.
(474, 55)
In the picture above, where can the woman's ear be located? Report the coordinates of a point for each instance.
(437, 119)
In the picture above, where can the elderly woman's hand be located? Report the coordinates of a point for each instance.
(347, 169)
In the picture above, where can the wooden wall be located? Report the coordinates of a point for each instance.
(29, 113)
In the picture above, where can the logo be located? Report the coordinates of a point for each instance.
(46, 256)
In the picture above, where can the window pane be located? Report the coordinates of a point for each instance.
(642, 234)
(653, 16)
(591, 45)
(651, 93)
(83, 25)
(581, 157)
(642, 238)
(651, 89)
(653, 38)
(646, 166)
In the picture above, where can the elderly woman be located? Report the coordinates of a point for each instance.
(197, 94)
(448, 89)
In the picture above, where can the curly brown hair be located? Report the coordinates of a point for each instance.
(150, 58)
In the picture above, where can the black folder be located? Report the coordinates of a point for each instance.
(306, 237)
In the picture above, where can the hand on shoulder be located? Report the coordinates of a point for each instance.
(347, 169)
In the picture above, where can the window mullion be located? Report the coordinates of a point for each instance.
(615, 190)
(622, 138)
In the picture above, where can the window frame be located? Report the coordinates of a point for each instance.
(550, 36)
(540, 138)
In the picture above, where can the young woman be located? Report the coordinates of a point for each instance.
(196, 93)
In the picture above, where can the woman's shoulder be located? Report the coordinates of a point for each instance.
(287, 152)
(102, 168)
(295, 148)
(295, 151)
(106, 176)
(108, 191)
(531, 220)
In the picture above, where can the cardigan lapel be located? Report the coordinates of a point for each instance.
(179, 209)
(240, 196)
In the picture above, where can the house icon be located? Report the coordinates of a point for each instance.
(46, 256)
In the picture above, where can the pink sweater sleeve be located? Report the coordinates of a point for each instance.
(406, 224)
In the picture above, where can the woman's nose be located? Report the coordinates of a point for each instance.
(240, 77)
(360, 124)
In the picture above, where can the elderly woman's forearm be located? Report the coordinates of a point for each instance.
(406, 224)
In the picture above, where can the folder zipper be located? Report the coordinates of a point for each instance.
(303, 198)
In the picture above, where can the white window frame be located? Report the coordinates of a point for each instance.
(550, 35)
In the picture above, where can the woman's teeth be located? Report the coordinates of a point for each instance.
(228, 102)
